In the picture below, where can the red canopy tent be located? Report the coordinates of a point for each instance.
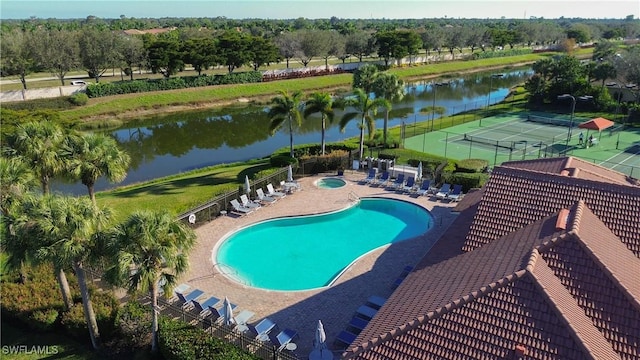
(596, 124)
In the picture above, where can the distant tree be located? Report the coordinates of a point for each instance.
(98, 51)
(165, 57)
(567, 45)
(19, 56)
(580, 33)
(288, 45)
(263, 52)
(59, 52)
(364, 77)
(336, 47)
(604, 50)
(603, 71)
(359, 44)
(313, 43)
(131, 53)
(201, 53)
(397, 44)
(454, 39)
(432, 38)
(234, 50)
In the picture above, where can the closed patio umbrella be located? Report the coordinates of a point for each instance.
(419, 175)
(290, 174)
(320, 337)
(247, 185)
(228, 312)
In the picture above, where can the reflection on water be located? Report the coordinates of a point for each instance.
(175, 143)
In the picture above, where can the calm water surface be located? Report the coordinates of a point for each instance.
(167, 145)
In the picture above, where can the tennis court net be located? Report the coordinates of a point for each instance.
(496, 143)
(550, 121)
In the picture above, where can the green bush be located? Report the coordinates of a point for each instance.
(282, 160)
(336, 159)
(56, 103)
(43, 320)
(181, 341)
(105, 307)
(79, 99)
(467, 180)
(134, 325)
(472, 165)
(137, 86)
(315, 149)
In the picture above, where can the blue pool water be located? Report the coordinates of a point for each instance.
(330, 183)
(307, 252)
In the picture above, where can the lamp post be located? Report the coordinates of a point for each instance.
(573, 109)
(491, 87)
(433, 107)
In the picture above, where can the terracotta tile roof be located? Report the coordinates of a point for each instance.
(553, 277)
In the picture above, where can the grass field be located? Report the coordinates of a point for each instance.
(522, 140)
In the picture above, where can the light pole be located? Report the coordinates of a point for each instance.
(433, 107)
(490, 87)
(573, 109)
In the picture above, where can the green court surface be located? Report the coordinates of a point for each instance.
(511, 137)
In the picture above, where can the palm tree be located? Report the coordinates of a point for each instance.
(92, 156)
(73, 224)
(156, 246)
(39, 144)
(364, 107)
(364, 77)
(389, 87)
(285, 107)
(16, 179)
(320, 103)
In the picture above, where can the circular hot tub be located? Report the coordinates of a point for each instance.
(330, 183)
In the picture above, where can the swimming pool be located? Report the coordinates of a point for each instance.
(308, 252)
(330, 183)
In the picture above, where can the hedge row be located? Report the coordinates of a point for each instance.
(138, 86)
(181, 341)
(502, 53)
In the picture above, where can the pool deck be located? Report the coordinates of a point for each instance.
(372, 274)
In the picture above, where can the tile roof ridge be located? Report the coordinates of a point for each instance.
(513, 171)
(567, 162)
(441, 311)
(613, 258)
(592, 342)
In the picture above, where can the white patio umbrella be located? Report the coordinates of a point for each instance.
(290, 174)
(228, 312)
(247, 185)
(419, 171)
(320, 337)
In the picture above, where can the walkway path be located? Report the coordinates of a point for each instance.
(373, 274)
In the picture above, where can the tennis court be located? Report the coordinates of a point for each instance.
(526, 136)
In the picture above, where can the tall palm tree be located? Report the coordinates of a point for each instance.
(40, 145)
(156, 245)
(92, 156)
(322, 103)
(73, 224)
(363, 107)
(364, 77)
(390, 87)
(285, 107)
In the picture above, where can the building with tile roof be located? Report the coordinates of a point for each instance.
(542, 263)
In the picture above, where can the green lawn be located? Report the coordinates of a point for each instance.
(180, 192)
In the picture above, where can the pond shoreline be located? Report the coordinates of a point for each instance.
(142, 113)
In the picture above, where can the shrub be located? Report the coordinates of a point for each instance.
(105, 307)
(180, 341)
(57, 103)
(79, 99)
(282, 160)
(43, 320)
(467, 180)
(337, 159)
(472, 165)
(134, 325)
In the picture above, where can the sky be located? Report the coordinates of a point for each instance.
(317, 9)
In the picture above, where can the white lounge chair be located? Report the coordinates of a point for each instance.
(455, 194)
(273, 193)
(443, 192)
(425, 187)
(239, 209)
(248, 203)
(264, 198)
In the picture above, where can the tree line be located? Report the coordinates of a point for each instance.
(96, 45)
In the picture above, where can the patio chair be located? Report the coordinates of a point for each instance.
(263, 328)
(358, 324)
(217, 314)
(425, 187)
(399, 182)
(264, 198)
(383, 179)
(239, 209)
(203, 309)
(456, 193)
(375, 301)
(371, 176)
(185, 300)
(283, 338)
(242, 319)
(271, 192)
(409, 186)
(366, 312)
(443, 192)
(344, 339)
(407, 269)
(248, 203)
